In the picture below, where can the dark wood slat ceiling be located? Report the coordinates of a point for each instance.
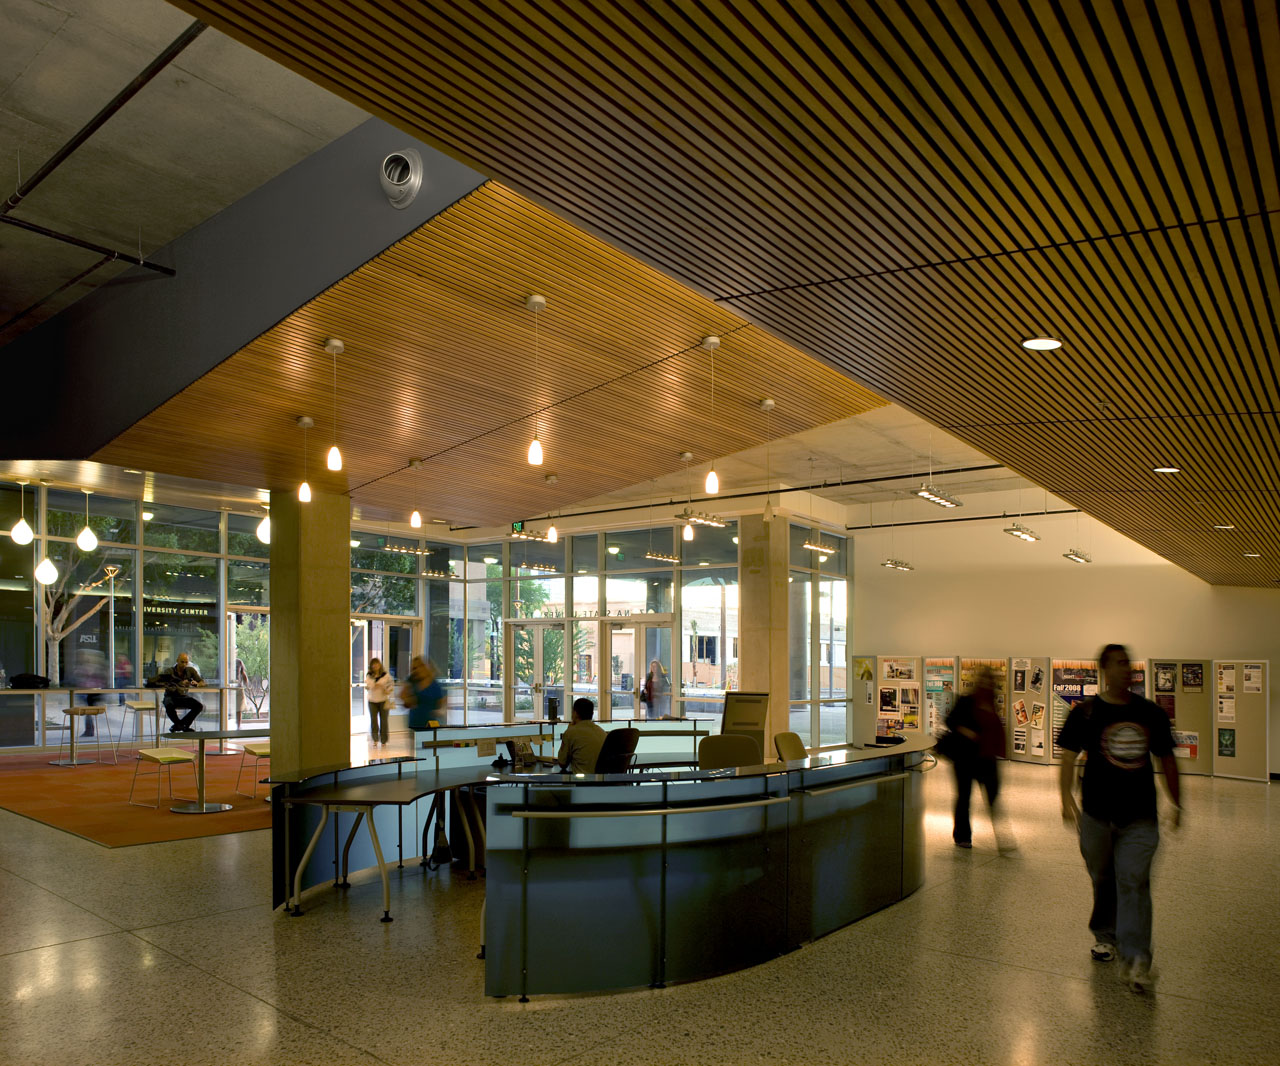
(440, 366)
(906, 189)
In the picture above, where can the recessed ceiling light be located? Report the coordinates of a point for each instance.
(1224, 527)
(1042, 344)
(1253, 555)
(490, 560)
(130, 470)
(1166, 470)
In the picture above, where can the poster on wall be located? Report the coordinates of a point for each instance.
(1166, 676)
(1036, 683)
(1226, 708)
(889, 718)
(1192, 677)
(1037, 741)
(899, 670)
(1020, 742)
(1165, 703)
(909, 706)
(1037, 715)
(999, 667)
(1186, 745)
(1227, 743)
(1020, 714)
(1252, 681)
(864, 669)
(1020, 670)
(1073, 681)
(1138, 679)
(939, 693)
(1227, 677)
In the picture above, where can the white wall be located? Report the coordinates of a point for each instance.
(978, 592)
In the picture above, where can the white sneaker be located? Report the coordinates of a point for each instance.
(1102, 951)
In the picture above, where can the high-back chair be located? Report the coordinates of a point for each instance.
(726, 751)
(790, 747)
(617, 751)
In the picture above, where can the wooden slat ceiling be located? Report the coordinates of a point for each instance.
(907, 188)
(440, 366)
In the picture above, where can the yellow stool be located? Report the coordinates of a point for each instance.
(162, 758)
(145, 711)
(72, 716)
(259, 750)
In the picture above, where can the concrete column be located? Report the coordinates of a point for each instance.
(762, 616)
(310, 632)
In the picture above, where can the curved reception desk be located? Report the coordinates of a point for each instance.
(609, 882)
(599, 883)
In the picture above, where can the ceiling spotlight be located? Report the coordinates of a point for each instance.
(1021, 532)
(933, 495)
(1224, 527)
(1253, 555)
(897, 564)
(1077, 556)
(1042, 344)
(1166, 470)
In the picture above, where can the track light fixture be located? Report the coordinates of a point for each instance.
(934, 495)
(1077, 556)
(897, 564)
(1022, 532)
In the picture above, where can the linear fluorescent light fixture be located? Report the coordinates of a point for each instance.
(438, 573)
(529, 535)
(818, 546)
(661, 558)
(928, 492)
(545, 568)
(897, 564)
(1022, 532)
(1077, 556)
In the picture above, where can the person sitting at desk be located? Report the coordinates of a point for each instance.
(580, 746)
(180, 677)
(423, 695)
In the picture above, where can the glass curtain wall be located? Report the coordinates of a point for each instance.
(817, 634)
(708, 651)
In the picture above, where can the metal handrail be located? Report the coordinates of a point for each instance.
(651, 811)
(853, 784)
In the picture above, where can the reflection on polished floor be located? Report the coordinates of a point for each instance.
(167, 953)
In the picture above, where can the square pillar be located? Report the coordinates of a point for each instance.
(763, 629)
(310, 632)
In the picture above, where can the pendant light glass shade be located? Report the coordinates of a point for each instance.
(535, 452)
(87, 541)
(21, 531)
(713, 482)
(46, 572)
(334, 459)
(264, 530)
(688, 532)
(553, 534)
(415, 520)
(304, 492)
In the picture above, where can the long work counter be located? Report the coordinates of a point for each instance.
(620, 881)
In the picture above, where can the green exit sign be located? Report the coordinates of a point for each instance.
(517, 527)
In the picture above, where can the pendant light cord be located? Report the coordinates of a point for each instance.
(536, 420)
(335, 398)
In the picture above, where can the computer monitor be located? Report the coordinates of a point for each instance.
(747, 714)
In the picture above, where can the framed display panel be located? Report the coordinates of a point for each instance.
(1000, 667)
(860, 725)
(1240, 712)
(1181, 688)
(1029, 722)
(939, 691)
(900, 694)
(1070, 681)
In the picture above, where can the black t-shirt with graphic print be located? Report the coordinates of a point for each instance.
(1120, 738)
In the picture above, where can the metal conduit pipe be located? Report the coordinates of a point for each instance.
(88, 246)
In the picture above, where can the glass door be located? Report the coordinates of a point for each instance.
(248, 667)
(538, 674)
(359, 667)
(640, 664)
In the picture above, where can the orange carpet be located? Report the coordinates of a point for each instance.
(91, 801)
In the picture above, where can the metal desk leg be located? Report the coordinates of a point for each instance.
(484, 904)
(200, 806)
(466, 830)
(306, 858)
(346, 851)
(382, 869)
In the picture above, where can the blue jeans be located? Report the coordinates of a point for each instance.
(1119, 861)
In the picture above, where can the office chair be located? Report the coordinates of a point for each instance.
(727, 751)
(616, 753)
(790, 746)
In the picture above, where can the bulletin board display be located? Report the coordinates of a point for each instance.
(1029, 732)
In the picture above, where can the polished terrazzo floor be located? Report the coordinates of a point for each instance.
(167, 953)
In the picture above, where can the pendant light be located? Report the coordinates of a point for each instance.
(687, 532)
(415, 520)
(553, 534)
(21, 531)
(87, 540)
(264, 529)
(712, 485)
(46, 572)
(535, 304)
(304, 490)
(335, 348)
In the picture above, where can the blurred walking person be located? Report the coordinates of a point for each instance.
(978, 747)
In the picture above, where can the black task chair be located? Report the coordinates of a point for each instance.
(617, 752)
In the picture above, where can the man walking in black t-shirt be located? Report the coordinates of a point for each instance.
(1119, 732)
